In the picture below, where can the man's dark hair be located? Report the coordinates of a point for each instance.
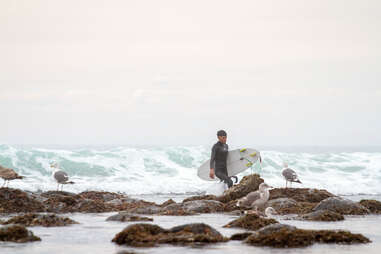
(221, 133)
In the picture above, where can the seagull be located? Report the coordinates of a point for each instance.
(60, 176)
(256, 198)
(8, 174)
(270, 212)
(289, 174)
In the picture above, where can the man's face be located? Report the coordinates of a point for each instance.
(222, 139)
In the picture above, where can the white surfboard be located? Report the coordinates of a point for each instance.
(238, 161)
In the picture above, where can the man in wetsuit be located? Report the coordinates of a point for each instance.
(218, 159)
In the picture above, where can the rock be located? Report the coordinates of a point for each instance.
(148, 235)
(122, 204)
(125, 216)
(240, 236)
(283, 236)
(231, 206)
(321, 215)
(204, 197)
(139, 235)
(152, 209)
(49, 194)
(250, 222)
(45, 220)
(374, 206)
(272, 228)
(168, 202)
(338, 236)
(281, 203)
(299, 208)
(60, 203)
(203, 206)
(342, 206)
(17, 233)
(300, 194)
(100, 195)
(246, 185)
(90, 206)
(17, 201)
(125, 252)
(175, 210)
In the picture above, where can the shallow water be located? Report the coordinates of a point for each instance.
(93, 235)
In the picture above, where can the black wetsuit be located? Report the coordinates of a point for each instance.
(218, 162)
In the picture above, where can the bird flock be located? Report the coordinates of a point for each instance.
(59, 175)
(256, 199)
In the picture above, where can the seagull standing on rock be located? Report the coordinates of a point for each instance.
(60, 176)
(289, 174)
(8, 174)
(256, 198)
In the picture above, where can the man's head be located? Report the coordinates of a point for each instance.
(221, 135)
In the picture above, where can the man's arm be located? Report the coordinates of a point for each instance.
(212, 159)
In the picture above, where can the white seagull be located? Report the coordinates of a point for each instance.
(289, 174)
(256, 198)
(60, 176)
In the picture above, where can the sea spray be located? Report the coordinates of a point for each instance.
(155, 170)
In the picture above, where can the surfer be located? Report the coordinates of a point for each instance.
(218, 159)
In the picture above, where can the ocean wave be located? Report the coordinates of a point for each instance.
(134, 170)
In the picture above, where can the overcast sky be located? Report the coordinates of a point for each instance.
(174, 72)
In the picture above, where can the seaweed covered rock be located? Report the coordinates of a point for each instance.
(49, 194)
(203, 197)
(300, 194)
(281, 203)
(299, 208)
(246, 185)
(168, 202)
(374, 206)
(100, 195)
(90, 206)
(139, 235)
(45, 220)
(17, 233)
(283, 236)
(342, 206)
(231, 206)
(127, 204)
(148, 235)
(125, 216)
(290, 206)
(240, 236)
(175, 210)
(150, 209)
(17, 201)
(250, 222)
(321, 215)
(203, 206)
(60, 202)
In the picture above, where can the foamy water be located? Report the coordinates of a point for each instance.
(172, 170)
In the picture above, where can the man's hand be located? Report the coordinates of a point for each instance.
(211, 173)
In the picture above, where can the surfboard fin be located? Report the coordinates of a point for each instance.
(242, 150)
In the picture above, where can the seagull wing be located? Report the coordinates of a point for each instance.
(290, 175)
(61, 176)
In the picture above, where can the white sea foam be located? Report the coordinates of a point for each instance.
(173, 169)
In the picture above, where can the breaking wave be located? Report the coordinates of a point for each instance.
(154, 170)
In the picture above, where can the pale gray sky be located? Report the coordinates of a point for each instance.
(141, 72)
